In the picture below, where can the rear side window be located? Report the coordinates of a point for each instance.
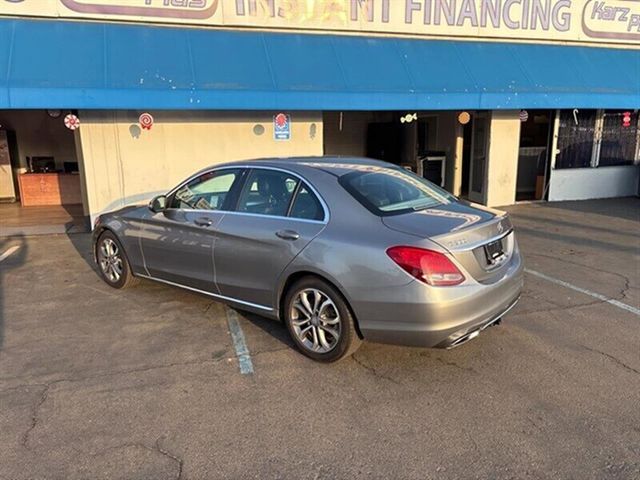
(306, 205)
(389, 191)
(268, 192)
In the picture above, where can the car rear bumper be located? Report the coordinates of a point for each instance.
(445, 317)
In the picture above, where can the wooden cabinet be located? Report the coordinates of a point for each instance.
(49, 189)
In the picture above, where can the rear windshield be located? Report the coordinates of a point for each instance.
(392, 191)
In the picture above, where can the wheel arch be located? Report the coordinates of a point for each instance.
(97, 233)
(293, 277)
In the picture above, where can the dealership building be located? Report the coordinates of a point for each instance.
(104, 103)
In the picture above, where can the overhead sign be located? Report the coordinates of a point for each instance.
(582, 21)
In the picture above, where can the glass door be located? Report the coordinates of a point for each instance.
(479, 153)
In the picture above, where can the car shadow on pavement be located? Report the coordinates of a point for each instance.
(274, 328)
(15, 248)
(82, 244)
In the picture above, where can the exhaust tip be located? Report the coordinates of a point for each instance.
(465, 338)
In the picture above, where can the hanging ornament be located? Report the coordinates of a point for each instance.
(72, 122)
(409, 117)
(524, 116)
(464, 118)
(146, 121)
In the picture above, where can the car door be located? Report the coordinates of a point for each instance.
(277, 215)
(178, 242)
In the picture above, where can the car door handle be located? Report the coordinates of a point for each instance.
(288, 235)
(203, 221)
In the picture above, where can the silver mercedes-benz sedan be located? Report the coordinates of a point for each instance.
(340, 249)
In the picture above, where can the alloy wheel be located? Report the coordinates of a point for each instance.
(110, 260)
(315, 320)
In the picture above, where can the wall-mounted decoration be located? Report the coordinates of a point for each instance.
(464, 118)
(282, 127)
(409, 117)
(146, 121)
(54, 113)
(524, 116)
(72, 122)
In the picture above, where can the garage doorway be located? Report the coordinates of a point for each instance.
(41, 189)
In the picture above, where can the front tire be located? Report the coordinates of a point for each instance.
(319, 321)
(112, 262)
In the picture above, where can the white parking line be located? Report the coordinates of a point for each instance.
(242, 351)
(9, 251)
(610, 301)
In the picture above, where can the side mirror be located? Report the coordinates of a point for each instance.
(158, 204)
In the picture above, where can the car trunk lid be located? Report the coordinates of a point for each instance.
(479, 238)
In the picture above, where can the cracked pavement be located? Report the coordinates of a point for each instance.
(144, 383)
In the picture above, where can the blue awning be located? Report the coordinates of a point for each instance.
(62, 64)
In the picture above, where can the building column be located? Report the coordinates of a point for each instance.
(502, 161)
(458, 149)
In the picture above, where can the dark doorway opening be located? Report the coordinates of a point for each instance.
(466, 160)
(384, 141)
(536, 136)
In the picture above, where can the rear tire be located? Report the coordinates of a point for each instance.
(112, 262)
(319, 321)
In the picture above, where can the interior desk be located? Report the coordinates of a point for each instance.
(49, 189)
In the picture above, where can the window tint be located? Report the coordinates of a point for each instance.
(206, 192)
(388, 191)
(306, 205)
(267, 192)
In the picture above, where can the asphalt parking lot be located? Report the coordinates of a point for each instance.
(145, 383)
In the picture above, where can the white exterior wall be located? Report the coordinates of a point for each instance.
(588, 183)
(123, 164)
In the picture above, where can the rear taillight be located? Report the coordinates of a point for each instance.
(428, 266)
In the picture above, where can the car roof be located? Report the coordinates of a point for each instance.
(337, 165)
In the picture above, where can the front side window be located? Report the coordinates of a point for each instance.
(389, 191)
(268, 192)
(209, 191)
